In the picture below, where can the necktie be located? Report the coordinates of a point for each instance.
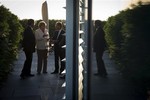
(58, 34)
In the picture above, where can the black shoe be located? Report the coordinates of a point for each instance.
(23, 77)
(55, 72)
(30, 75)
(96, 74)
(103, 75)
(44, 72)
(60, 73)
(62, 77)
(38, 73)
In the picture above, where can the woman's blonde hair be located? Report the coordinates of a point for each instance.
(42, 23)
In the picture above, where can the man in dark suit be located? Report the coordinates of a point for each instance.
(58, 43)
(99, 45)
(28, 45)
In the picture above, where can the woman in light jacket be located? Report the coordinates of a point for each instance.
(42, 42)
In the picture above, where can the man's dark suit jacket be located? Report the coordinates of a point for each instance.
(99, 42)
(58, 44)
(28, 42)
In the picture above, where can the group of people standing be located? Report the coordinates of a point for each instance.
(40, 40)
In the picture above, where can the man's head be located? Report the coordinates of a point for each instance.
(58, 25)
(97, 23)
(31, 22)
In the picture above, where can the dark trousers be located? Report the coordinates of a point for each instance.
(63, 63)
(100, 63)
(57, 59)
(59, 65)
(42, 60)
(27, 64)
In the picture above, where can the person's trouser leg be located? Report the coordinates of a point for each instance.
(62, 56)
(39, 66)
(100, 63)
(62, 68)
(27, 64)
(45, 56)
(56, 61)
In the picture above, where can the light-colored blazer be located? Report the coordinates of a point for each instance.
(42, 42)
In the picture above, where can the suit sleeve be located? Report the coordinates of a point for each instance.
(28, 40)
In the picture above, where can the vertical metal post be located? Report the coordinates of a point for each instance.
(69, 49)
(72, 49)
(75, 48)
(89, 48)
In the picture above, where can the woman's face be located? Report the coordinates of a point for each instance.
(42, 27)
